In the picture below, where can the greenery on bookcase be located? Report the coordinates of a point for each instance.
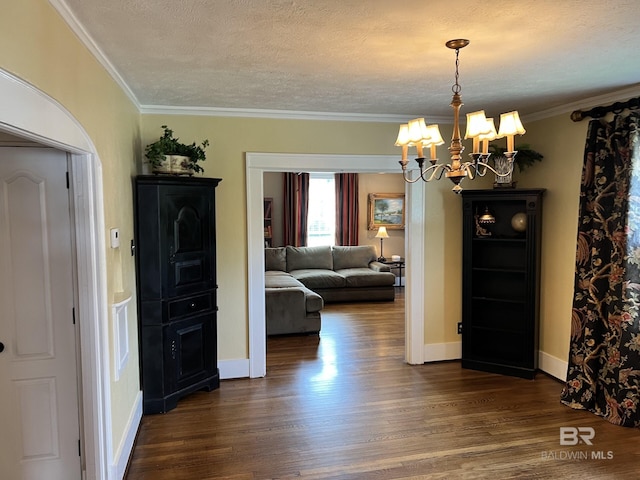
(525, 157)
(168, 145)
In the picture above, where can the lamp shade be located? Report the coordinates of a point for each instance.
(486, 217)
(491, 135)
(433, 132)
(510, 124)
(403, 136)
(487, 137)
(476, 124)
(418, 131)
(382, 233)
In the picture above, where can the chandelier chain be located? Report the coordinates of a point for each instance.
(456, 88)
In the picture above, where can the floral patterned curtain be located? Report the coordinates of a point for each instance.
(604, 359)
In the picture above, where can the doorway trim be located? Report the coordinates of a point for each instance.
(30, 113)
(259, 163)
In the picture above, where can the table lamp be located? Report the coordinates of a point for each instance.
(382, 234)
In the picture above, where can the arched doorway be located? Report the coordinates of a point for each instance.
(29, 113)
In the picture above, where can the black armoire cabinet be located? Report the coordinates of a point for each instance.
(500, 280)
(176, 287)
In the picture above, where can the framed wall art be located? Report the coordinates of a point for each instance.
(386, 210)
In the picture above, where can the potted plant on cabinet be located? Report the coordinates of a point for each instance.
(525, 158)
(169, 155)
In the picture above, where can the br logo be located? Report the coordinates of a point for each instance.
(574, 436)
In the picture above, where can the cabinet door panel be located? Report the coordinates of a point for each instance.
(187, 227)
(190, 245)
(192, 350)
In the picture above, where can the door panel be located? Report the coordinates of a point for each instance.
(190, 345)
(190, 259)
(38, 370)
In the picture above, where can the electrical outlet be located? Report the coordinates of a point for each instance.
(459, 328)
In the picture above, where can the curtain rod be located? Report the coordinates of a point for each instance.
(598, 112)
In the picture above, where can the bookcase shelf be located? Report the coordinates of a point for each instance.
(268, 227)
(500, 282)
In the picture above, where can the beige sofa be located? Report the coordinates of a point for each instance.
(298, 280)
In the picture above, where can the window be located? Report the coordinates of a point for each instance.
(321, 222)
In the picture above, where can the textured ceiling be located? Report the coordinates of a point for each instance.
(383, 57)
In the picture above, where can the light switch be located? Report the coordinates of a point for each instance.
(115, 237)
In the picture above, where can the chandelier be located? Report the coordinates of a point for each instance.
(479, 128)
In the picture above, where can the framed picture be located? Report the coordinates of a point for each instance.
(386, 210)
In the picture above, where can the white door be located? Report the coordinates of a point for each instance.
(38, 371)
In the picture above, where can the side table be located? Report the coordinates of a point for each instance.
(396, 264)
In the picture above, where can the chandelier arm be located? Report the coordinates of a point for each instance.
(471, 170)
(432, 168)
(481, 169)
(443, 170)
(480, 162)
(406, 174)
(408, 179)
(489, 167)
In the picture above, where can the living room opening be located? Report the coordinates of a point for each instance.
(388, 250)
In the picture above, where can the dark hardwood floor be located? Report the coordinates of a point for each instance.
(344, 405)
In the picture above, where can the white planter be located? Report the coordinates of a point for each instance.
(174, 165)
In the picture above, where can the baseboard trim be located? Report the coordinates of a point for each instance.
(233, 369)
(125, 449)
(553, 366)
(437, 352)
(433, 352)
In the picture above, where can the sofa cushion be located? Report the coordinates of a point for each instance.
(280, 281)
(365, 277)
(275, 259)
(301, 258)
(353, 257)
(315, 278)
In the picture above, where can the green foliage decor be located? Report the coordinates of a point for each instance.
(525, 157)
(167, 144)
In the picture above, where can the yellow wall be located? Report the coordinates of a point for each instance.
(377, 183)
(37, 46)
(561, 141)
(230, 139)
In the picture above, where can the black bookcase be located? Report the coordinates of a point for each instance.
(176, 287)
(501, 280)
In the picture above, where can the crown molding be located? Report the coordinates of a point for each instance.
(586, 103)
(278, 114)
(67, 15)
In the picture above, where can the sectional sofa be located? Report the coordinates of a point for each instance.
(299, 280)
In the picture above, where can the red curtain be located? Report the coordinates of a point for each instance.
(296, 208)
(346, 208)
